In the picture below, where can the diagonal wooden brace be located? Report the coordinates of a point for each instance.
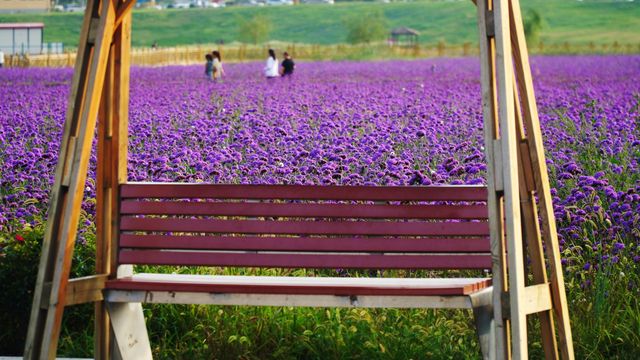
(123, 10)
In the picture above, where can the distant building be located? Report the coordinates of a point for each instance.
(15, 6)
(404, 36)
(330, 2)
(21, 38)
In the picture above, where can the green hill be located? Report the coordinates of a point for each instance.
(453, 22)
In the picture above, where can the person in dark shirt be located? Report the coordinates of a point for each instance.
(287, 66)
(208, 67)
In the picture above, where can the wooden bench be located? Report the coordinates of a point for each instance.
(294, 226)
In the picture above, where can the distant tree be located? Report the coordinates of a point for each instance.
(533, 25)
(367, 27)
(255, 29)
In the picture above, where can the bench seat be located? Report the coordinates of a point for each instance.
(300, 285)
(433, 229)
(302, 226)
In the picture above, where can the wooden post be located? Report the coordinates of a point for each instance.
(509, 146)
(494, 181)
(103, 203)
(541, 179)
(112, 169)
(532, 236)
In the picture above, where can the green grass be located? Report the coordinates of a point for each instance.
(452, 22)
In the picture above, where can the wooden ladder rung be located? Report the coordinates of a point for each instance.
(535, 299)
(85, 289)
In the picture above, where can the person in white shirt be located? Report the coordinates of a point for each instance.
(218, 71)
(271, 68)
(1, 59)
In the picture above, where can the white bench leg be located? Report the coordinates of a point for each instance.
(483, 316)
(130, 330)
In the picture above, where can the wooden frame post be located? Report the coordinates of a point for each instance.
(112, 170)
(516, 174)
(103, 206)
(509, 173)
(494, 179)
(538, 165)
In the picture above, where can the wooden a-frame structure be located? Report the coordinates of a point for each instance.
(516, 175)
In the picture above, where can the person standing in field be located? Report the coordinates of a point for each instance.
(208, 67)
(287, 66)
(218, 71)
(1, 59)
(271, 68)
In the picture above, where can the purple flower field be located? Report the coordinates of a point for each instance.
(373, 123)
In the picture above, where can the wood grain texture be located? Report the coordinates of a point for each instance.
(250, 232)
(104, 203)
(315, 244)
(303, 192)
(305, 260)
(130, 331)
(513, 228)
(354, 301)
(301, 285)
(112, 166)
(494, 200)
(364, 211)
(85, 289)
(389, 228)
(531, 229)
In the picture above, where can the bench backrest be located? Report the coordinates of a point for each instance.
(301, 226)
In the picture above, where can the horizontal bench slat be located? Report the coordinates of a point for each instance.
(134, 207)
(355, 261)
(300, 285)
(389, 228)
(305, 192)
(306, 243)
